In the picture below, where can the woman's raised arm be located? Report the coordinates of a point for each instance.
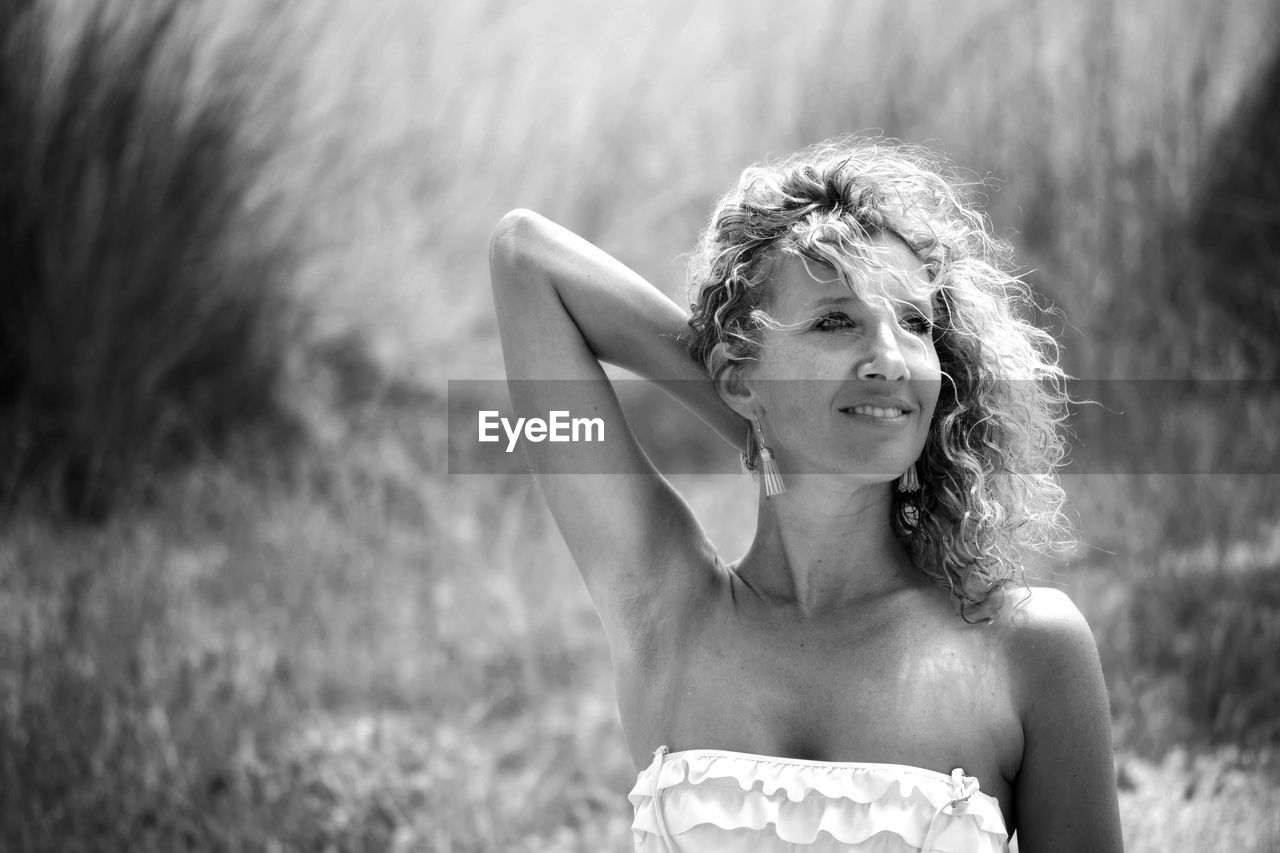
(564, 306)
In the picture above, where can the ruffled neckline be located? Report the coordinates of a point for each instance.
(808, 762)
(691, 792)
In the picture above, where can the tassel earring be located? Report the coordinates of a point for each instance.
(773, 484)
(909, 482)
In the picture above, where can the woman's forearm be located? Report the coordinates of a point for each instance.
(624, 319)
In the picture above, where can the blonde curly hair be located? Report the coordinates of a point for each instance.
(988, 472)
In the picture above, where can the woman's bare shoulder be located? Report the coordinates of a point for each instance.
(1039, 613)
(1035, 607)
(1047, 641)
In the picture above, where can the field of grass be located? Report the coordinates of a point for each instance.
(284, 626)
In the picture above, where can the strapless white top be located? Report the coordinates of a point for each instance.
(732, 802)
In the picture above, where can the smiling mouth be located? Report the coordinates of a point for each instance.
(886, 413)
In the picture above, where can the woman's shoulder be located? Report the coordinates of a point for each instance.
(1039, 614)
(1047, 641)
(1036, 634)
(1025, 614)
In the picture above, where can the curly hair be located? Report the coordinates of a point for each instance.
(988, 471)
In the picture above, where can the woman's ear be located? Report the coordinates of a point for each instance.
(733, 389)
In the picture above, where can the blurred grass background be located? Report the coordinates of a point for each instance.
(243, 246)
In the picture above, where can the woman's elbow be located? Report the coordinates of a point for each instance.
(513, 238)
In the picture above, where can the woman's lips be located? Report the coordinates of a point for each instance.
(878, 411)
(877, 415)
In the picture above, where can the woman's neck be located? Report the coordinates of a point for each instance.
(826, 544)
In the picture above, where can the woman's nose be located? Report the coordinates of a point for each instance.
(883, 358)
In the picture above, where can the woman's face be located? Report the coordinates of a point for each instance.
(848, 384)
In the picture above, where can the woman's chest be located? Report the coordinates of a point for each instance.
(914, 692)
(828, 695)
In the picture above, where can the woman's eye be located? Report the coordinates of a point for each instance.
(917, 323)
(833, 322)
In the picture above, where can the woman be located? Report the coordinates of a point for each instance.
(872, 674)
